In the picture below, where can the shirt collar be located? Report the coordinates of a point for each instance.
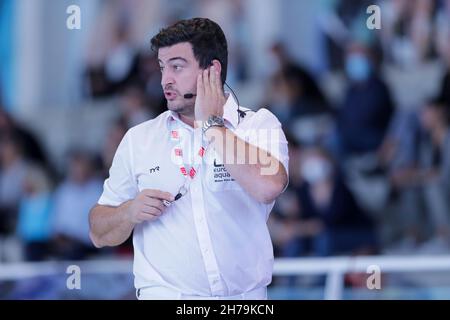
(230, 110)
(230, 113)
(173, 116)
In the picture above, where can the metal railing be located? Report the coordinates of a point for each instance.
(334, 268)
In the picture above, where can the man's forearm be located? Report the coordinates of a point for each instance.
(259, 173)
(109, 226)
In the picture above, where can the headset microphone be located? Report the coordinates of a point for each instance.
(241, 113)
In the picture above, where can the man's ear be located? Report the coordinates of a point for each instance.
(217, 65)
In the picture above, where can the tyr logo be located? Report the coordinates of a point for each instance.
(153, 170)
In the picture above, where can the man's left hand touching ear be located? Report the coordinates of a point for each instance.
(210, 97)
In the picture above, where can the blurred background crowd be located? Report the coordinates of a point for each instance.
(366, 113)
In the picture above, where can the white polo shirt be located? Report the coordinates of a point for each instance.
(214, 241)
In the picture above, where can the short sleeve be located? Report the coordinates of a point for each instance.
(266, 133)
(120, 186)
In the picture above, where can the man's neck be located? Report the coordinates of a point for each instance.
(189, 120)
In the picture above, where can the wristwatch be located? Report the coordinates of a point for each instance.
(213, 121)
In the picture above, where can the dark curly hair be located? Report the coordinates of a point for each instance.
(206, 37)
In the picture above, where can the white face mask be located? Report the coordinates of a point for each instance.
(358, 67)
(315, 170)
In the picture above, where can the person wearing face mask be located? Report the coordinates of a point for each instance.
(358, 67)
(330, 221)
(367, 109)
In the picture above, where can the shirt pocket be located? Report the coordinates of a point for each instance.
(159, 178)
(148, 181)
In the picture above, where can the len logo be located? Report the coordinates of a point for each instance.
(217, 165)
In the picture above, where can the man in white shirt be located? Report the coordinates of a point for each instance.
(196, 184)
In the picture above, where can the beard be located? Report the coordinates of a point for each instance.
(185, 108)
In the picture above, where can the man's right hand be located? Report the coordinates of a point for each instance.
(148, 205)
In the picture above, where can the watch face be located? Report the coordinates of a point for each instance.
(217, 120)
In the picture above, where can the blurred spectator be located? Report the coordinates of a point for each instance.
(297, 101)
(443, 29)
(148, 78)
(96, 82)
(344, 21)
(444, 95)
(32, 149)
(279, 58)
(408, 29)
(426, 185)
(13, 168)
(121, 59)
(301, 90)
(329, 221)
(34, 223)
(366, 113)
(119, 67)
(73, 199)
(434, 168)
(284, 216)
(133, 106)
(113, 139)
